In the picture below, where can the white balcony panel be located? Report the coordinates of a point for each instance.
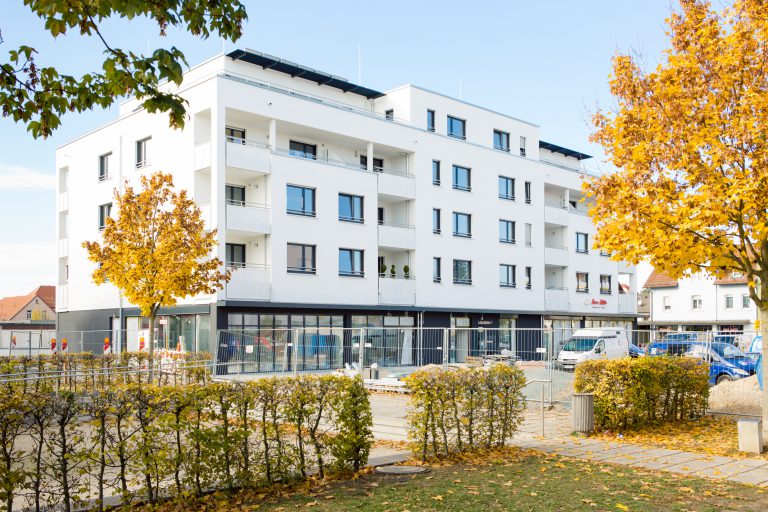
(626, 268)
(249, 283)
(555, 215)
(248, 156)
(628, 303)
(202, 157)
(63, 201)
(63, 246)
(62, 297)
(397, 291)
(247, 218)
(556, 300)
(397, 237)
(396, 185)
(557, 256)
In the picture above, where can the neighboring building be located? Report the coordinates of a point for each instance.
(318, 187)
(700, 303)
(29, 318)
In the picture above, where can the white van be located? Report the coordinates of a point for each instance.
(594, 343)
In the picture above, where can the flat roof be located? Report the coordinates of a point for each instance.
(267, 61)
(563, 151)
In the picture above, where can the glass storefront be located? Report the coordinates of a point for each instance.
(190, 333)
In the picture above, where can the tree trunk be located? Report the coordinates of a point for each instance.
(763, 315)
(151, 341)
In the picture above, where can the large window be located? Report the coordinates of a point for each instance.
(235, 194)
(462, 224)
(582, 243)
(431, 120)
(104, 166)
(350, 208)
(507, 276)
(104, 211)
(605, 284)
(582, 282)
(378, 163)
(696, 302)
(235, 134)
(301, 200)
(462, 178)
(436, 221)
(729, 302)
(507, 188)
(436, 172)
(528, 192)
(457, 127)
(235, 255)
(302, 149)
(462, 272)
(351, 262)
(142, 152)
(500, 140)
(436, 270)
(507, 231)
(301, 259)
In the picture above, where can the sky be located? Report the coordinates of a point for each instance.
(546, 62)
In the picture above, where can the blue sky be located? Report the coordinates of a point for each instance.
(546, 62)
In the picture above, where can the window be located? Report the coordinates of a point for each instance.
(507, 231)
(235, 195)
(389, 114)
(500, 140)
(462, 272)
(378, 163)
(234, 134)
(522, 146)
(582, 243)
(666, 303)
(104, 211)
(301, 259)
(528, 192)
(29, 314)
(351, 263)
(605, 284)
(301, 201)
(302, 150)
(457, 127)
(604, 253)
(729, 302)
(104, 166)
(528, 281)
(380, 215)
(436, 221)
(462, 225)
(696, 302)
(436, 270)
(431, 120)
(506, 188)
(582, 282)
(528, 234)
(436, 172)
(462, 178)
(746, 302)
(350, 208)
(507, 276)
(142, 152)
(235, 255)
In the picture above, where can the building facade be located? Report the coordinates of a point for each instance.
(24, 318)
(338, 205)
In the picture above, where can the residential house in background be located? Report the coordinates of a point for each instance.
(26, 316)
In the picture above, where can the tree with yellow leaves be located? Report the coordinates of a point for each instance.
(157, 249)
(689, 140)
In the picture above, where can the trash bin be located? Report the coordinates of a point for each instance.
(583, 412)
(375, 371)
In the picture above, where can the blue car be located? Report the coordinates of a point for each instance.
(726, 362)
(635, 351)
(757, 346)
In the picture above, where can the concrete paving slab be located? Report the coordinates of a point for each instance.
(757, 476)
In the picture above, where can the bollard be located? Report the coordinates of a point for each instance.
(751, 435)
(583, 412)
(542, 410)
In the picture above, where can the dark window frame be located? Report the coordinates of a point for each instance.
(298, 149)
(234, 135)
(455, 223)
(104, 166)
(459, 122)
(142, 155)
(457, 280)
(302, 212)
(353, 253)
(501, 140)
(378, 163)
(437, 269)
(528, 192)
(509, 186)
(507, 224)
(389, 114)
(603, 289)
(586, 282)
(579, 238)
(105, 210)
(229, 197)
(437, 216)
(229, 255)
(528, 278)
(455, 174)
(507, 267)
(430, 120)
(436, 171)
(313, 254)
(352, 198)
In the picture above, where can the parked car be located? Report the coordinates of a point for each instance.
(635, 351)
(595, 343)
(680, 336)
(726, 362)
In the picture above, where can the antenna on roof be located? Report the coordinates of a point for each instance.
(359, 64)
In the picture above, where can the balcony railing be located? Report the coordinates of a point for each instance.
(556, 299)
(397, 236)
(628, 302)
(398, 290)
(249, 155)
(248, 282)
(248, 217)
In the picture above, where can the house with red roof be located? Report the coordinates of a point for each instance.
(35, 310)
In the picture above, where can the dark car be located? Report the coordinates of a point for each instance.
(726, 362)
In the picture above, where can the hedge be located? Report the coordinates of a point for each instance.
(144, 442)
(458, 410)
(630, 393)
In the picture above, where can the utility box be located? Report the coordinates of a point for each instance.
(583, 412)
(751, 435)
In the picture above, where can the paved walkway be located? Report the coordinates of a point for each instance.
(389, 417)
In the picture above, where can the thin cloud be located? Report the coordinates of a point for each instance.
(23, 267)
(17, 177)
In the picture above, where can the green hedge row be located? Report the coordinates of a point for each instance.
(457, 410)
(142, 441)
(635, 392)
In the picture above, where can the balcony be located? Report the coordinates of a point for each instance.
(555, 214)
(393, 236)
(628, 303)
(63, 245)
(249, 282)
(63, 201)
(396, 291)
(205, 213)
(248, 155)
(396, 184)
(248, 217)
(556, 255)
(556, 299)
(62, 297)
(202, 155)
(626, 268)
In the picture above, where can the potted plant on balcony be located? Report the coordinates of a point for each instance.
(392, 271)
(407, 271)
(383, 270)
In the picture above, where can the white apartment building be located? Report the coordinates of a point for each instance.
(320, 189)
(700, 303)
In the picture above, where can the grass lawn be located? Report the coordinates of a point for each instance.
(508, 480)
